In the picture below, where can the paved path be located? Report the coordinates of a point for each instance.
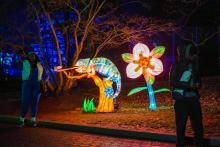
(10, 136)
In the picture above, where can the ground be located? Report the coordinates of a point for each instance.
(133, 113)
(45, 137)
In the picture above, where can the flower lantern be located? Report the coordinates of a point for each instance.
(146, 63)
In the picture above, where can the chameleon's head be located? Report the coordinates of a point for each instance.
(80, 69)
(83, 66)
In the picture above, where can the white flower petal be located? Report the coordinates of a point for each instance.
(140, 48)
(130, 70)
(158, 66)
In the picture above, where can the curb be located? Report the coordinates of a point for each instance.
(109, 132)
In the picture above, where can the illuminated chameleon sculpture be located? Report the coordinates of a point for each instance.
(146, 63)
(104, 67)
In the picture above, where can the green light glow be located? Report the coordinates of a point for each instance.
(159, 50)
(162, 90)
(88, 106)
(136, 90)
(127, 57)
(151, 81)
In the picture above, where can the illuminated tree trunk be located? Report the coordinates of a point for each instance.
(105, 104)
(69, 83)
(50, 86)
(60, 83)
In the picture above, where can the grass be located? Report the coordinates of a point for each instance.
(133, 111)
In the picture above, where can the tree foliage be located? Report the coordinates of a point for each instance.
(99, 25)
(198, 20)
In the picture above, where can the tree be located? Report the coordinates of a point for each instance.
(97, 26)
(14, 34)
(198, 20)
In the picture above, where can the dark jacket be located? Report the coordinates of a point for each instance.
(178, 85)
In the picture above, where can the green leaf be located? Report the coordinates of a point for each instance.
(150, 81)
(88, 106)
(162, 90)
(85, 105)
(127, 57)
(136, 90)
(158, 51)
(92, 106)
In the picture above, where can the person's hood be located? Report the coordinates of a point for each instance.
(30, 57)
(185, 51)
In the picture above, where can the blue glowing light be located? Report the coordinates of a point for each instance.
(150, 90)
(109, 92)
(48, 45)
(7, 66)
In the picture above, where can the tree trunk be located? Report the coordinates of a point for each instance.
(105, 104)
(47, 67)
(60, 83)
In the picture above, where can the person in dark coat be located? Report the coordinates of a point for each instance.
(185, 82)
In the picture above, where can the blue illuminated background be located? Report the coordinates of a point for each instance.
(48, 47)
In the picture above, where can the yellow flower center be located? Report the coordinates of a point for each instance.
(144, 62)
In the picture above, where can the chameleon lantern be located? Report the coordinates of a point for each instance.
(110, 75)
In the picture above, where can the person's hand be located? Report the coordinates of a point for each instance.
(194, 85)
(198, 85)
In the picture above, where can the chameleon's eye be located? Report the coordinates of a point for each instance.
(79, 69)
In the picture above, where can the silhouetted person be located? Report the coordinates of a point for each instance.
(219, 78)
(31, 75)
(185, 81)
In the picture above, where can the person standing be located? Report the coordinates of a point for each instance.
(185, 82)
(32, 71)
